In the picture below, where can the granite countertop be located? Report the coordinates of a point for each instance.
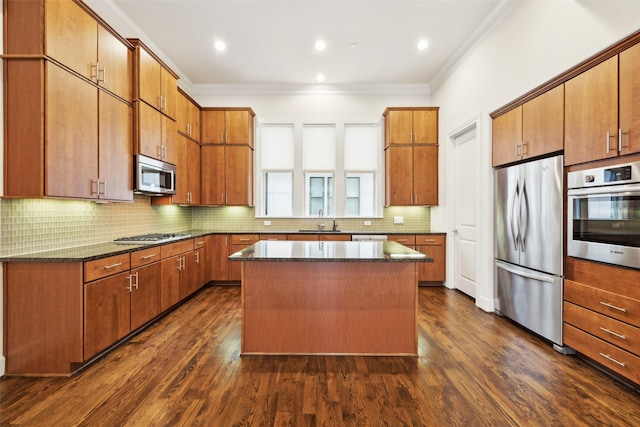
(105, 249)
(288, 250)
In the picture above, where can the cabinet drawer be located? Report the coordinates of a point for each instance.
(244, 239)
(614, 358)
(199, 242)
(607, 303)
(608, 329)
(403, 239)
(620, 280)
(430, 239)
(334, 237)
(106, 267)
(145, 256)
(273, 237)
(172, 249)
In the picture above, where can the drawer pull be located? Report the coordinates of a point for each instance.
(624, 310)
(606, 356)
(401, 240)
(609, 331)
(245, 240)
(149, 256)
(107, 267)
(200, 243)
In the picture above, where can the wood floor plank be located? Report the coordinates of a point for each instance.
(473, 368)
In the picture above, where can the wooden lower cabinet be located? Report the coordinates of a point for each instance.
(432, 245)
(219, 257)
(239, 242)
(602, 315)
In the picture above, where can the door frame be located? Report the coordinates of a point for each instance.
(485, 270)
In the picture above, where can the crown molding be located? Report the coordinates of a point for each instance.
(303, 89)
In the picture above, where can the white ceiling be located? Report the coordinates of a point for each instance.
(271, 43)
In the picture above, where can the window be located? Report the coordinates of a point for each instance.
(304, 167)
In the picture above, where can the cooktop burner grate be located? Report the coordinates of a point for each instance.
(150, 238)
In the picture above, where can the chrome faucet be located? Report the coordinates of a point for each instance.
(320, 219)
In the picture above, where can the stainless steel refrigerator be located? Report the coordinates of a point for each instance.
(529, 249)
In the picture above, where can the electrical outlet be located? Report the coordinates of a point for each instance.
(398, 220)
(267, 223)
(367, 223)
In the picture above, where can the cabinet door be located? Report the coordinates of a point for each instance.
(169, 137)
(149, 74)
(107, 305)
(543, 123)
(239, 175)
(219, 254)
(238, 127)
(182, 113)
(71, 135)
(213, 177)
(399, 175)
(146, 296)
(194, 121)
(182, 171)
(630, 100)
(205, 245)
(189, 274)
(507, 137)
(169, 92)
(170, 284)
(115, 62)
(425, 175)
(193, 171)
(591, 114)
(399, 127)
(149, 131)
(213, 127)
(425, 126)
(116, 148)
(71, 36)
(432, 271)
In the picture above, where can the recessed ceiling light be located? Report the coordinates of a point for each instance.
(320, 45)
(220, 45)
(353, 45)
(320, 78)
(423, 44)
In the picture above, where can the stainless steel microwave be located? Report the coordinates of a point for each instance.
(604, 214)
(154, 177)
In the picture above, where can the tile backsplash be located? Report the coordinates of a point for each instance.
(33, 225)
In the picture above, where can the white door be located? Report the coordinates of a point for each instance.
(466, 204)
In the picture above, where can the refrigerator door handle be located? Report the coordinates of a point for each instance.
(539, 277)
(524, 207)
(515, 227)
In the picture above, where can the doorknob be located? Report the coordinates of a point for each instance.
(455, 231)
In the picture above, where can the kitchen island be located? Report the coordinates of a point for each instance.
(310, 297)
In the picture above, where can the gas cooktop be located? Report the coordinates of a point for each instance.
(149, 239)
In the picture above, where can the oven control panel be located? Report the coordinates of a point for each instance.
(628, 173)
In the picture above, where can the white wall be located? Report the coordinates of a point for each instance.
(536, 42)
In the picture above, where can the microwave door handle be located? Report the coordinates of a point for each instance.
(512, 221)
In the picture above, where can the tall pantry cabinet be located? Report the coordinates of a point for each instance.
(411, 156)
(68, 103)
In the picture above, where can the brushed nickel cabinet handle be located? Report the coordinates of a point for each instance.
(606, 356)
(136, 276)
(609, 331)
(606, 304)
(104, 75)
(130, 287)
(92, 75)
(107, 267)
(149, 256)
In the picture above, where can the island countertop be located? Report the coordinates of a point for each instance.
(288, 250)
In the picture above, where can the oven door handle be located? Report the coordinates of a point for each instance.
(618, 190)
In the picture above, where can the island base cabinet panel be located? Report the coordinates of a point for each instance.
(34, 344)
(107, 312)
(329, 308)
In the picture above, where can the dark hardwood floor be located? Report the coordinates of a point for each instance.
(473, 369)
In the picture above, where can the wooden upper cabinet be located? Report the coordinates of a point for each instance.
(591, 114)
(630, 100)
(411, 125)
(239, 175)
(543, 123)
(187, 117)
(399, 176)
(531, 129)
(213, 174)
(227, 126)
(425, 175)
(507, 137)
(156, 84)
(72, 35)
